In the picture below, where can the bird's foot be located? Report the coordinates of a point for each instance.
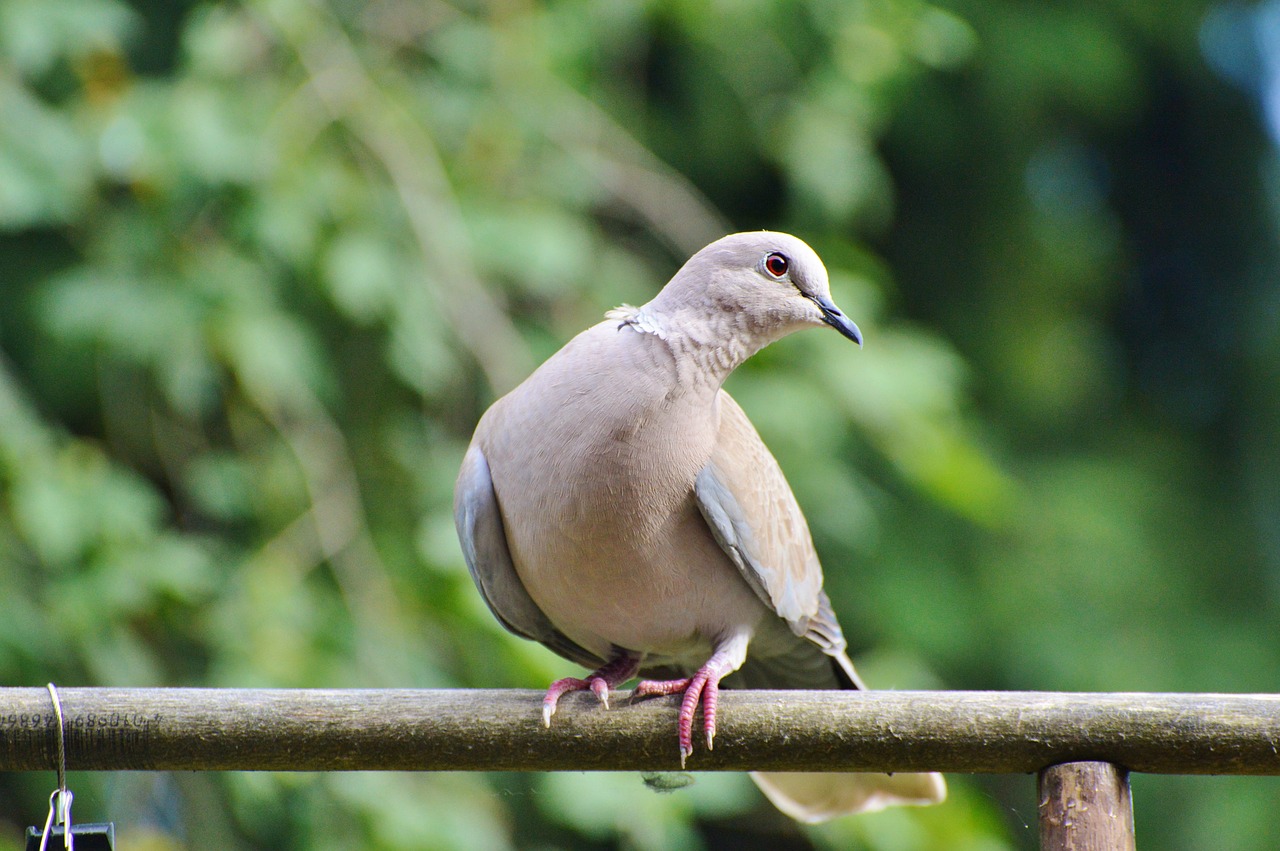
(703, 687)
(612, 675)
(597, 685)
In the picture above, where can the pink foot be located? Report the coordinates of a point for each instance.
(704, 687)
(612, 675)
(598, 685)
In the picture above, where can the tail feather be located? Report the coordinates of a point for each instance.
(819, 796)
(812, 797)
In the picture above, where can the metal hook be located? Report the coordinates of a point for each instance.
(60, 800)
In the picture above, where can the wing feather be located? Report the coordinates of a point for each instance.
(484, 546)
(755, 518)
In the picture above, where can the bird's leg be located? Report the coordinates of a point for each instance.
(615, 672)
(703, 687)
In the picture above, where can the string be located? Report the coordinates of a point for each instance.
(60, 800)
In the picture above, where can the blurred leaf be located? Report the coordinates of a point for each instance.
(36, 33)
(609, 805)
(125, 315)
(272, 354)
(364, 274)
(45, 170)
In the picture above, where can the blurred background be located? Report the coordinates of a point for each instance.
(263, 265)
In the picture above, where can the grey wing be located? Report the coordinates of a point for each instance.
(478, 518)
(747, 503)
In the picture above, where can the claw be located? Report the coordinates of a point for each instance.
(600, 688)
(618, 671)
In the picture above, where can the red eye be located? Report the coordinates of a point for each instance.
(777, 264)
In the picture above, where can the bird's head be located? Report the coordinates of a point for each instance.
(767, 284)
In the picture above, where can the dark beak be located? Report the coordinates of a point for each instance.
(837, 320)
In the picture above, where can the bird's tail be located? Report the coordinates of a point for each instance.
(817, 660)
(812, 797)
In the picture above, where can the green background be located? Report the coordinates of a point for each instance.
(263, 265)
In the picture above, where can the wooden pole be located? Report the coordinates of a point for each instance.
(502, 730)
(1085, 806)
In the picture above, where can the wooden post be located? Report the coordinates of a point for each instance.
(1085, 806)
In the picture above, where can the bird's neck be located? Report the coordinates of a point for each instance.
(705, 347)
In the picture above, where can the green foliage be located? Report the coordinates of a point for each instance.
(266, 263)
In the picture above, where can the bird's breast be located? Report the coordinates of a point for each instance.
(610, 542)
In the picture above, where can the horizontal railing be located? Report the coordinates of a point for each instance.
(1080, 744)
(502, 730)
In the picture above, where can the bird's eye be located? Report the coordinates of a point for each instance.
(777, 265)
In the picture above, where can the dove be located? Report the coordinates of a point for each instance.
(619, 508)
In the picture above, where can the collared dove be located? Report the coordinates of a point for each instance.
(619, 507)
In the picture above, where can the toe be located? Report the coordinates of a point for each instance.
(710, 698)
(648, 688)
(554, 693)
(688, 708)
(600, 688)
